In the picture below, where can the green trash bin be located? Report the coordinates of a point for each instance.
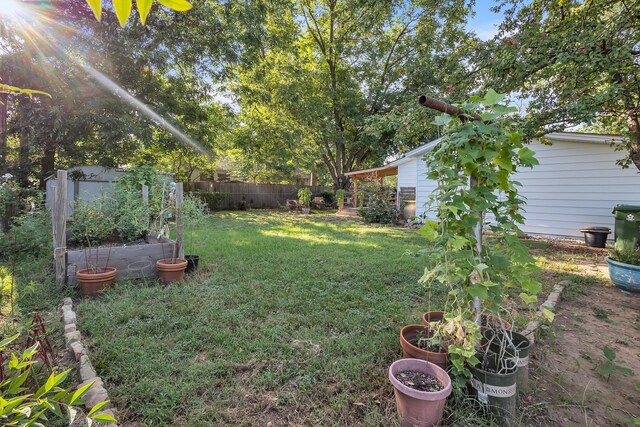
(627, 223)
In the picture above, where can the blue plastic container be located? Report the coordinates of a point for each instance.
(625, 276)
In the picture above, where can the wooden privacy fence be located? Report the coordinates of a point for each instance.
(241, 195)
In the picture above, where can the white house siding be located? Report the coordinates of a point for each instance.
(575, 184)
(407, 174)
(424, 188)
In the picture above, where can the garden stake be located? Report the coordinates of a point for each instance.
(40, 323)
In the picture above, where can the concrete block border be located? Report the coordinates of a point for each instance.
(550, 303)
(73, 340)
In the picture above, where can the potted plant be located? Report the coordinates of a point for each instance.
(171, 269)
(473, 166)
(421, 389)
(494, 379)
(340, 195)
(93, 279)
(422, 342)
(304, 195)
(193, 213)
(624, 266)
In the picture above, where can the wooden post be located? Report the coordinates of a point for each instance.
(179, 227)
(59, 224)
(145, 201)
(355, 192)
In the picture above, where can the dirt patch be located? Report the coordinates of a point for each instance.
(568, 369)
(419, 381)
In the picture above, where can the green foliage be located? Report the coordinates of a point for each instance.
(380, 209)
(486, 154)
(608, 366)
(304, 195)
(361, 198)
(340, 195)
(329, 198)
(626, 252)
(93, 221)
(574, 62)
(33, 235)
(214, 201)
(27, 399)
(131, 215)
(15, 200)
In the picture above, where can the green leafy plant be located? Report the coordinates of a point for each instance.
(340, 195)
(93, 221)
(380, 208)
(193, 212)
(473, 168)
(608, 366)
(329, 197)
(304, 195)
(131, 215)
(33, 235)
(626, 252)
(26, 399)
(214, 201)
(361, 199)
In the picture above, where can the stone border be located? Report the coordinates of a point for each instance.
(97, 392)
(550, 303)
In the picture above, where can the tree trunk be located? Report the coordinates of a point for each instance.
(23, 153)
(3, 133)
(47, 162)
(634, 146)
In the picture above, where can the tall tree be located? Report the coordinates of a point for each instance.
(322, 71)
(576, 62)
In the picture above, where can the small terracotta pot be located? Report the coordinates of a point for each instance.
(409, 350)
(93, 281)
(171, 269)
(432, 316)
(419, 408)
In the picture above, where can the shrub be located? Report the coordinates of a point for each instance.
(131, 215)
(328, 197)
(214, 201)
(304, 195)
(15, 200)
(33, 235)
(381, 209)
(340, 194)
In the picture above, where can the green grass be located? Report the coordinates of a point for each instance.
(294, 320)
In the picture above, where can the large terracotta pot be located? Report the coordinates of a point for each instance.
(432, 316)
(419, 408)
(93, 281)
(171, 269)
(408, 333)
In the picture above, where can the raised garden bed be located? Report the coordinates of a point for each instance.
(136, 261)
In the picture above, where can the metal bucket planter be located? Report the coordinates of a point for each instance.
(496, 389)
(626, 277)
(518, 348)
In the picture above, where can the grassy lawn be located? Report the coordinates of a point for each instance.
(292, 319)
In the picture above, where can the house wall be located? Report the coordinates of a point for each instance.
(424, 189)
(407, 174)
(575, 184)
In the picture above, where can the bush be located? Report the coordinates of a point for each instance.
(340, 195)
(304, 195)
(33, 235)
(626, 253)
(15, 200)
(214, 201)
(93, 222)
(329, 198)
(380, 210)
(131, 216)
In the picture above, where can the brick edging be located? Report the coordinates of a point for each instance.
(97, 393)
(550, 303)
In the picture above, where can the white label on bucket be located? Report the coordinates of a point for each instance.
(482, 397)
(492, 390)
(523, 361)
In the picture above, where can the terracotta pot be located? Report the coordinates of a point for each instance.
(171, 269)
(409, 332)
(432, 316)
(93, 281)
(419, 408)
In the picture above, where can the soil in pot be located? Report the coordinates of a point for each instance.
(494, 382)
(93, 281)
(415, 407)
(414, 345)
(516, 345)
(192, 263)
(420, 381)
(171, 270)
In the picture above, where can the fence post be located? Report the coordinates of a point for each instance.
(179, 226)
(59, 224)
(145, 201)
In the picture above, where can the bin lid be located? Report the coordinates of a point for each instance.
(595, 230)
(626, 208)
